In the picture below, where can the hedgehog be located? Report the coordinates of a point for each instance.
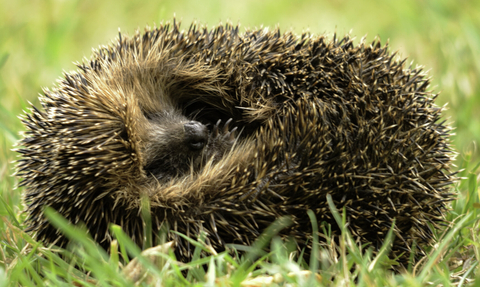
(226, 131)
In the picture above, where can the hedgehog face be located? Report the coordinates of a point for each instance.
(177, 146)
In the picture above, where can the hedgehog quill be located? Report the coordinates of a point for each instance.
(225, 131)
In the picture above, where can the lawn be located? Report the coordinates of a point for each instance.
(39, 40)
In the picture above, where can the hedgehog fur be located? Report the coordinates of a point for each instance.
(154, 116)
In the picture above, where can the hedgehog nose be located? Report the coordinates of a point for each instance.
(196, 135)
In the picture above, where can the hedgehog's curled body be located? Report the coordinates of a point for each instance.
(316, 117)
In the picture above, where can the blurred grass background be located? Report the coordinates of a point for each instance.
(41, 39)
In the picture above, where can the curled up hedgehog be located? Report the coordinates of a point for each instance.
(225, 132)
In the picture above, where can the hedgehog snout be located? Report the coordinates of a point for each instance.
(196, 135)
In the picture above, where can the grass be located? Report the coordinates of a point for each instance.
(40, 39)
